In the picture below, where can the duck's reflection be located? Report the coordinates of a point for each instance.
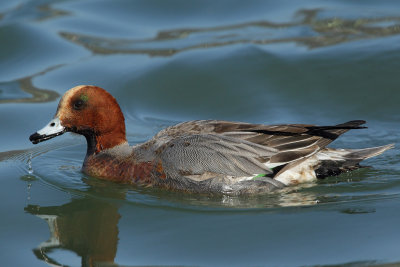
(87, 226)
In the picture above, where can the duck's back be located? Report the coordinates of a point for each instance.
(230, 157)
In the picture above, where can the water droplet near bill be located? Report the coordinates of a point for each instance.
(29, 162)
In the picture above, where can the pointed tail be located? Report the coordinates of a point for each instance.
(336, 161)
(366, 153)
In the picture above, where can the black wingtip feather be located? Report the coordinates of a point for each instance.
(329, 131)
(355, 124)
(345, 126)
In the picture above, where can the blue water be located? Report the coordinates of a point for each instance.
(320, 62)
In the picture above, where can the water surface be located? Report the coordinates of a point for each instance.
(170, 61)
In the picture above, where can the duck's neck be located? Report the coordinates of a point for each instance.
(97, 143)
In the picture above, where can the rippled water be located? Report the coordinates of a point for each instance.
(169, 61)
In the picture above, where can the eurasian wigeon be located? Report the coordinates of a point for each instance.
(205, 155)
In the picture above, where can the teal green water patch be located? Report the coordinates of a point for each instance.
(11, 90)
(23, 91)
(27, 49)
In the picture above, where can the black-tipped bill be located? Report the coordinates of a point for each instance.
(53, 129)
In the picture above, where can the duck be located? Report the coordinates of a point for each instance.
(202, 156)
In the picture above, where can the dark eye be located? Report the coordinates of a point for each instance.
(79, 104)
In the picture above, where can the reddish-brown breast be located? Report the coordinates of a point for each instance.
(123, 170)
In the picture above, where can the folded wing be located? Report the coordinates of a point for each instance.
(235, 149)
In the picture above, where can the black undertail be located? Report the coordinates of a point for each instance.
(328, 168)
